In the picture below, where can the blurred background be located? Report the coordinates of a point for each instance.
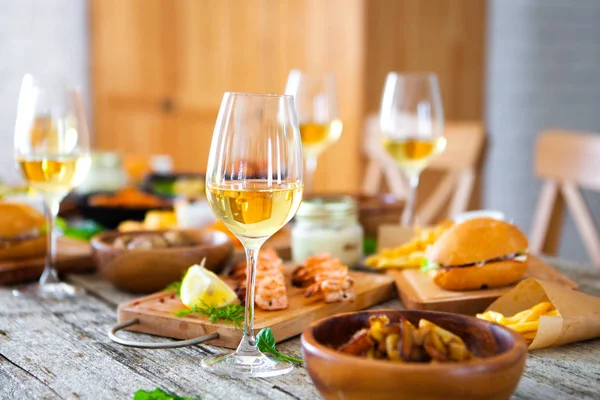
(153, 73)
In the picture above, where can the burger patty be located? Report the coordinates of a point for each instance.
(512, 256)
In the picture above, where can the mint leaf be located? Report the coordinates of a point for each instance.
(159, 394)
(266, 344)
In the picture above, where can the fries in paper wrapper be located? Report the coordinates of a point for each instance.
(578, 313)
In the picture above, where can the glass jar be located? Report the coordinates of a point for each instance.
(328, 224)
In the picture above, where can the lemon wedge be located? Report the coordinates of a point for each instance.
(201, 286)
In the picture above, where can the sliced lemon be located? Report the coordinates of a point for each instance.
(201, 286)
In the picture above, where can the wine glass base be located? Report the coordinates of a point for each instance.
(49, 291)
(246, 367)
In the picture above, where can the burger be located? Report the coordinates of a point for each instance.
(479, 253)
(22, 232)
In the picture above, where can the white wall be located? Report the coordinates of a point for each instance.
(45, 38)
(543, 70)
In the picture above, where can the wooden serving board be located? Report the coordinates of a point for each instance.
(155, 312)
(418, 291)
(72, 256)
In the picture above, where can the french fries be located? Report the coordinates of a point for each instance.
(410, 254)
(403, 342)
(526, 322)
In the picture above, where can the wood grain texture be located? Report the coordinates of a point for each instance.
(443, 36)
(33, 333)
(160, 68)
(156, 312)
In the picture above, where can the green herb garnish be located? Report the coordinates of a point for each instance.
(159, 394)
(174, 287)
(427, 265)
(266, 343)
(232, 313)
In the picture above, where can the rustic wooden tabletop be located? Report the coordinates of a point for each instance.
(51, 350)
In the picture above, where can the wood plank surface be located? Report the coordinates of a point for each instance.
(61, 351)
(159, 70)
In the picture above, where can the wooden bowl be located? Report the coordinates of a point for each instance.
(151, 270)
(341, 376)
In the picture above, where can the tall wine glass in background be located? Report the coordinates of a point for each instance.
(254, 186)
(318, 114)
(52, 150)
(412, 127)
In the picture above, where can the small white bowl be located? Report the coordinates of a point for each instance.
(467, 215)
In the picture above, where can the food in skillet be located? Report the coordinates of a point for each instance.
(270, 290)
(324, 276)
(525, 322)
(412, 253)
(403, 342)
(477, 254)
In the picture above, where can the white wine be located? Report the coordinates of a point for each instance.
(413, 155)
(317, 137)
(54, 176)
(254, 209)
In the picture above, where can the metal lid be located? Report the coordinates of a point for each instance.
(327, 207)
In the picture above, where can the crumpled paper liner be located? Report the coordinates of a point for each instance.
(580, 312)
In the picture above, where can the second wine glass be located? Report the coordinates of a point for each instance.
(53, 153)
(412, 127)
(318, 114)
(254, 186)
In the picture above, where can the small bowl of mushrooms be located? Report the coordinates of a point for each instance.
(148, 261)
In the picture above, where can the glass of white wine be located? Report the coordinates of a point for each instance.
(254, 186)
(318, 114)
(51, 148)
(412, 127)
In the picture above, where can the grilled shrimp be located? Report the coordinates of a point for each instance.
(271, 293)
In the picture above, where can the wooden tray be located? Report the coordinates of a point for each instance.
(155, 312)
(417, 291)
(73, 256)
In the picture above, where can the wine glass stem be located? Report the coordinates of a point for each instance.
(408, 215)
(247, 346)
(310, 167)
(50, 275)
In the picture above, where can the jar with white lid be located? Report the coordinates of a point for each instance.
(328, 224)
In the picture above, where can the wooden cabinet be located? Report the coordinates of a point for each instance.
(160, 67)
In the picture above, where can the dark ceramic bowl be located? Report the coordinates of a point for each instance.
(494, 375)
(151, 270)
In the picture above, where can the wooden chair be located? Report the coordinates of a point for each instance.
(567, 161)
(458, 163)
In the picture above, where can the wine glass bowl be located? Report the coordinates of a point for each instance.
(254, 186)
(318, 114)
(51, 147)
(412, 127)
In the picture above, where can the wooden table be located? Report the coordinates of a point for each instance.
(61, 351)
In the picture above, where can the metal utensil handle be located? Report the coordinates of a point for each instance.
(112, 334)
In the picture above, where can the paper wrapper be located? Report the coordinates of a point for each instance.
(580, 312)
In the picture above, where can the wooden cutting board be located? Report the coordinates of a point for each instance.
(155, 312)
(418, 291)
(72, 256)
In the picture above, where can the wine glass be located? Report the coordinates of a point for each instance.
(254, 186)
(52, 150)
(318, 114)
(412, 127)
